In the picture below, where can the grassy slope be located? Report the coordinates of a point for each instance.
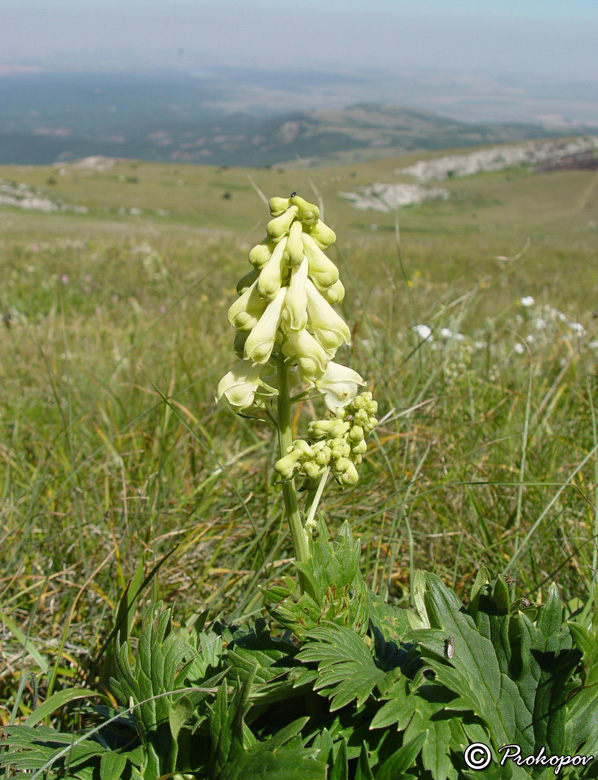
(109, 313)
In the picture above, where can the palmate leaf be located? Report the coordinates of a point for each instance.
(420, 707)
(441, 731)
(270, 659)
(514, 675)
(346, 669)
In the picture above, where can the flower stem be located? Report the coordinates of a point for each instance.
(289, 491)
(313, 499)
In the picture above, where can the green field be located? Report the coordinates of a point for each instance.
(112, 450)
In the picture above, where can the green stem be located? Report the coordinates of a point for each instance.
(289, 491)
(313, 499)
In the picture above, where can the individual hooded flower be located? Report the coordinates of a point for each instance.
(322, 270)
(260, 342)
(247, 309)
(335, 293)
(339, 385)
(270, 278)
(279, 227)
(322, 234)
(295, 309)
(311, 358)
(293, 254)
(328, 327)
(239, 385)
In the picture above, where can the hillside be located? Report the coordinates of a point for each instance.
(48, 118)
(489, 213)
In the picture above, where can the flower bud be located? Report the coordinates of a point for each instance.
(260, 342)
(278, 206)
(295, 310)
(308, 213)
(321, 269)
(293, 253)
(270, 278)
(303, 447)
(360, 448)
(342, 464)
(322, 234)
(279, 226)
(289, 464)
(356, 434)
(340, 452)
(323, 456)
(370, 425)
(312, 470)
(331, 429)
(349, 477)
(361, 418)
(371, 407)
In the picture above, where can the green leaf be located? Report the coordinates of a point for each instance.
(55, 702)
(364, 771)
(339, 767)
(403, 759)
(269, 659)
(41, 747)
(437, 739)
(513, 674)
(151, 684)
(582, 727)
(346, 669)
(398, 709)
(112, 766)
(262, 764)
(281, 756)
(178, 713)
(339, 593)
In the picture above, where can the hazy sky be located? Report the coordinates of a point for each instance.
(555, 39)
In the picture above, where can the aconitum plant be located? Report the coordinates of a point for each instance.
(338, 684)
(288, 334)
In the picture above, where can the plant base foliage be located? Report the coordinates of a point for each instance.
(340, 686)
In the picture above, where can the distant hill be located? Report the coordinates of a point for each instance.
(316, 135)
(48, 118)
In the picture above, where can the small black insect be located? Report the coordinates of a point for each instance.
(293, 194)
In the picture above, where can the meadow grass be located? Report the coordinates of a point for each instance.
(113, 451)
